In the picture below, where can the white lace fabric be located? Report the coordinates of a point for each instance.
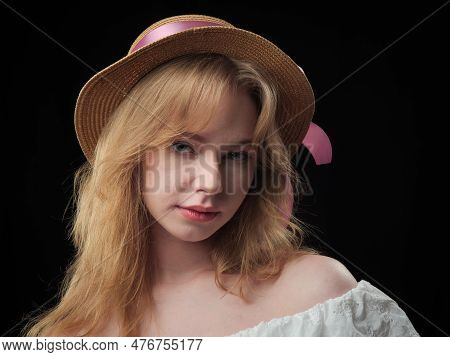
(362, 311)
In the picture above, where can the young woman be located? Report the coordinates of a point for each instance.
(184, 224)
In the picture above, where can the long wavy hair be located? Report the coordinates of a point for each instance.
(111, 270)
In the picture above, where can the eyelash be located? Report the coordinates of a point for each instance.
(244, 153)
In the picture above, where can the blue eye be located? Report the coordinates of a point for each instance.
(233, 156)
(244, 155)
(180, 143)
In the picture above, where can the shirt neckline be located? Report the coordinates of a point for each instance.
(362, 284)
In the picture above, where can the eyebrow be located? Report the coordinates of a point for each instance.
(202, 139)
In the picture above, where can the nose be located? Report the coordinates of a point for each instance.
(208, 174)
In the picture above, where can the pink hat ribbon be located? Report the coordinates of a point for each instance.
(318, 144)
(168, 29)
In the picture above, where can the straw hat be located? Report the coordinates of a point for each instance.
(178, 35)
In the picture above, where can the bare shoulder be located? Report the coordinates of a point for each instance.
(313, 279)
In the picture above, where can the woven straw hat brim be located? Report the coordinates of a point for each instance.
(102, 94)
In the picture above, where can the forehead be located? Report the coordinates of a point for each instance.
(203, 139)
(233, 121)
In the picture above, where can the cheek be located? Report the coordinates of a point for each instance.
(158, 181)
(238, 178)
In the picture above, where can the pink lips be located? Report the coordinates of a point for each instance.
(196, 215)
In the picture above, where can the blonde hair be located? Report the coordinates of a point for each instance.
(111, 269)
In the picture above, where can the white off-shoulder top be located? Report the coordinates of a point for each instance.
(362, 311)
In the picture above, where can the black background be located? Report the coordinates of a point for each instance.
(381, 89)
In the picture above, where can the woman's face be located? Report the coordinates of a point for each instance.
(213, 170)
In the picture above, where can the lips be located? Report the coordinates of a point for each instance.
(197, 208)
(194, 215)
